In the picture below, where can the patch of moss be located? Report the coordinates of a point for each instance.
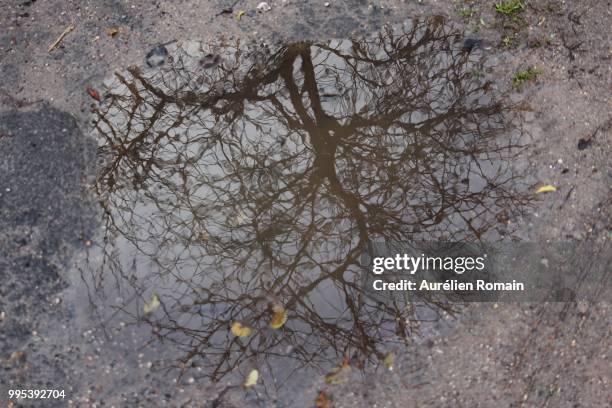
(508, 41)
(510, 7)
(466, 12)
(523, 76)
(510, 19)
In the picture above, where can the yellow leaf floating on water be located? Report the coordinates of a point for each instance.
(239, 330)
(340, 374)
(252, 378)
(279, 317)
(389, 361)
(546, 189)
(152, 305)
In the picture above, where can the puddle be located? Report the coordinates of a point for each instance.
(239, 181)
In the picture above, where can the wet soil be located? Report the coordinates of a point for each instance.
(56, 239)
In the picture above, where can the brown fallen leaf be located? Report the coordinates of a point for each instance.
(339, 375)
(17, 357)
(112, 31)
(93, 93)
(324, 400)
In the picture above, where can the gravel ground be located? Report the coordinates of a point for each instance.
(554, 355)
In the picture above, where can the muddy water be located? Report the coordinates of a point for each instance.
(242, 184)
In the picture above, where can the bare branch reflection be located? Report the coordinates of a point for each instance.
(238, 179)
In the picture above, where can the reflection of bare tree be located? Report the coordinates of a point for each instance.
(256, 177)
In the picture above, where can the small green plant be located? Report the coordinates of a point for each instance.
(523, 76)
(508, 41)
(466, 12)
(509, 7)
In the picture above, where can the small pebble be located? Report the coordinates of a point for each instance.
(263, 6)
(584, 143)
(583, 307)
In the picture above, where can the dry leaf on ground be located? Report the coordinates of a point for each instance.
(112, 31)
(546, 189)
